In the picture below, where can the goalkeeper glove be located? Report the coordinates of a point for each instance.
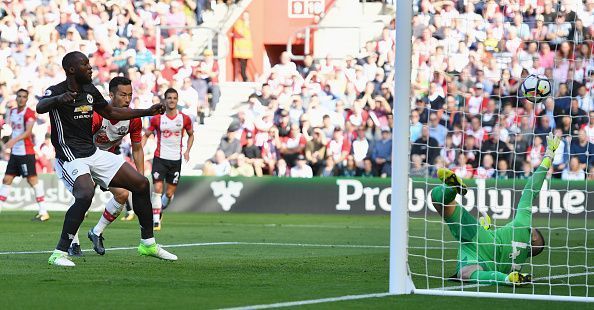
(552, 145)
(518, 279)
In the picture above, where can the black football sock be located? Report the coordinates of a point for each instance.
(74, 217)
(141, 200)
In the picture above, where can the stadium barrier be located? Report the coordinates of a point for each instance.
(326, 196)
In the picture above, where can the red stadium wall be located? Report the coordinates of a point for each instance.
(271, 29)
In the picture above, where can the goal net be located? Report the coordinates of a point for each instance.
(467, 60)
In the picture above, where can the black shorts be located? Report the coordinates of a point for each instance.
(167, 170)
(21, 165)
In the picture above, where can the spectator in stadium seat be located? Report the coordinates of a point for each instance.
(421, 108)
(327, 126)
(206, 80)
(543, 128)
(582, 149)
(417, 168)
(143, 55)
(561, 158)
(448, 153)
(350, 169)
(284, 125)
(281, 169)
(490, 115)
(367, 171)
(535, 152)
(476, 130)
(271, 154)
(307, 67)
(486, 170)
(552, 112)
(462, 168)
(230, 145)
(338, 147)
(471, 151)
(301, 169)
(415, 126)
(579, 118)
(382, 154)
(253, 154)
(426, 147)
(503, 172)
(222, 166)
(559, 30)
(437, 130)
(315, 150)
(243, 168)
(450, 115)
(293, 145)
(574, 172)
(265, 95)
(477, 100)
(584, 100)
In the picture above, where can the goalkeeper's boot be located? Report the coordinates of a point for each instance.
(518, 279)
(41, 217)
(155, 250)
(59, 258)
(157, 226)
(451, 179)
(129, 216)
(97, 242)
(486, 222)
(74, 250)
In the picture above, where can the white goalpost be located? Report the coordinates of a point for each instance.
(423, 253)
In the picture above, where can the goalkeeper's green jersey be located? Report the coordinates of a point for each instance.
(505, 249)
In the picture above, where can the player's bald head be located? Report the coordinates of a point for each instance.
(537, 243)
(72, 59)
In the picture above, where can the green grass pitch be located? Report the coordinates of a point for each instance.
(257, 262)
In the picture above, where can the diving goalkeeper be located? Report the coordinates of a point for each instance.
(493, 256)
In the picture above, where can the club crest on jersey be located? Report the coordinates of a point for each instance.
(90, 98)
(48, 92)
(84, 108)
(178, 124)
(122, 130)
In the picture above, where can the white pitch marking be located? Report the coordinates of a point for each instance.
(309, 302)
(561, 276)
(183, 245)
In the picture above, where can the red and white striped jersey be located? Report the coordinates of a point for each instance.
(169, 132)
(107, 134)
(18, 121)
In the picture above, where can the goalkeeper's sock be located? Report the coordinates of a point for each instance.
(488, 277)
(112, 211)
(443, 194)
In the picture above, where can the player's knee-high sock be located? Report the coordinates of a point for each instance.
(40, 197)
(156, 201)
(74, 217)
(75, 239)
(531, 189)
(4, 191)
(141, 199)
(111, 212)
(488, 277)
(165, 201)
(443, 194)
(129, 204)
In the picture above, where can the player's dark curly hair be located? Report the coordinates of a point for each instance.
(169, 90)
(117, 81)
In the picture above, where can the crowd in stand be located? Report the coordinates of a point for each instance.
(469, 59)
(120, 38)
(331, 117)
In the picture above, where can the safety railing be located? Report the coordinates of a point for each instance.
(221, 49)
(306, 35)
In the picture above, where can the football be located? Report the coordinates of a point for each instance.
(535, 88)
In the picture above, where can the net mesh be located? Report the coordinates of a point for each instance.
(469, 59)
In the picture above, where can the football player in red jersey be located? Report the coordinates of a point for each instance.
(22, 153)
(169, 129)
(107, 136)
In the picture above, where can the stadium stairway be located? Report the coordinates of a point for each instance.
(208, 135)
